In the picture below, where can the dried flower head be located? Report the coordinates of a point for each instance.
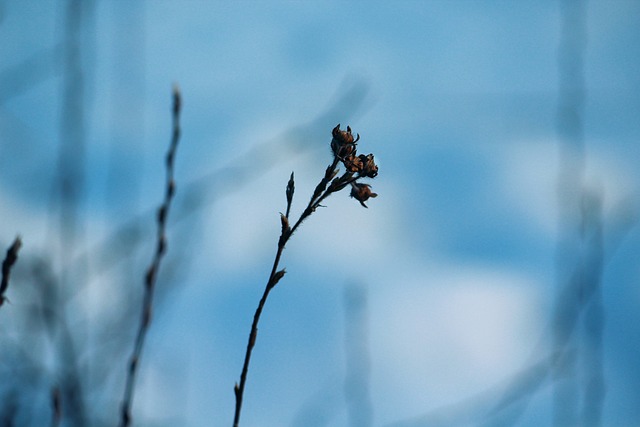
(369, 168)
(362, 193)
(343, 137)
(353, 164)
(343, 144)
(344, 147)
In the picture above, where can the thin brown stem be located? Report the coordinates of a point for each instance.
(342, 142)
(321, 193)
(152, 272)
(275, 276)
(239, 388)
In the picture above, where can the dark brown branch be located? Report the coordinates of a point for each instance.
(342, 142)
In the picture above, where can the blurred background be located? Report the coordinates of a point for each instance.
(494, 280)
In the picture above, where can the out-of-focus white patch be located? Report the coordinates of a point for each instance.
(241, 231)
(487, 317)
(529, 175)
(445, 335)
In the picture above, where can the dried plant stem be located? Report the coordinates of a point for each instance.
(342, 143)
(239, 388)
(276, 275)
(10, 259)
(152, 272)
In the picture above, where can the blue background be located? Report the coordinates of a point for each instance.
(456, 266)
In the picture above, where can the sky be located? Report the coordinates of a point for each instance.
(493, 281)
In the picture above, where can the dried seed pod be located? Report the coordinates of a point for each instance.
(284, 221)
(369, 167)
(353, 164)
(362, 193)
(343, 144)
(276, 278)
(290, 189)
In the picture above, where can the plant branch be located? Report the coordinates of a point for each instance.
(273, 279)
(344, 149)
(152, 272)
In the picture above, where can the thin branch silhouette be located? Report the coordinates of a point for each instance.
(152, 272)
(343, 145)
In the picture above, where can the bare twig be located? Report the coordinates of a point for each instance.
(344, 150)
(152, 272)
(10, 259)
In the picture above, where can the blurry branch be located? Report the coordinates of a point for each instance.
(9, 260)
(70, 179)
(344, 146)
(594, 313)
(321, 407)
(356, 387)
(581, 299)
(128, 49)
(52, 313)
(30, 362)
(9, 410)
(56, 407)
(66, 195)
(152, 272)
(575, 283)
(580, 295)
(50, 349)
